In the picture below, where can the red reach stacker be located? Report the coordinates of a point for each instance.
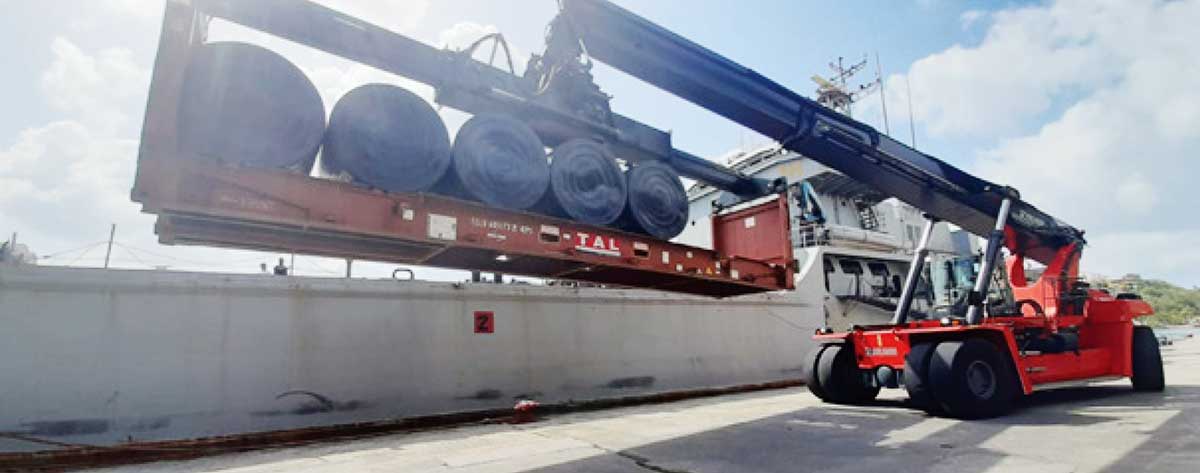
(971, 363)
(974, 365)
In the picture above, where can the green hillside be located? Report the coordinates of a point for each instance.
(1173, 305)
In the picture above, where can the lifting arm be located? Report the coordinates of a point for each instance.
(653, 54)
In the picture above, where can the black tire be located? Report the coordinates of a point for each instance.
(971, 379)
(810, 372)
(916, 376)
(1147, 361)
(839, 377)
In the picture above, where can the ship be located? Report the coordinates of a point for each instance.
(852, 244)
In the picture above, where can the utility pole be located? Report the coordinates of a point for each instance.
(349, 262)
(112, 232)
(10, 248)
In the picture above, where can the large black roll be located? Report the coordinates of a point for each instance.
(388, 138)
(243, 104)
(657, 203)
(586, 184)
(499, 161)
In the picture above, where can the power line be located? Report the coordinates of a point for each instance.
(81, 255)
(72, 250)
(322, 269)
(134, 256)
(187, 261)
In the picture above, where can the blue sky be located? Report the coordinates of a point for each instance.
(1085, 106)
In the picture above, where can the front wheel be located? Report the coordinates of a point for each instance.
(840, 378)
(1147, 361)
(971, 379)
(810, 372)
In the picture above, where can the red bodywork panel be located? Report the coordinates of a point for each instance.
(1104, 325)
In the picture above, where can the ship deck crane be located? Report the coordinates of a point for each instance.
(967, 365)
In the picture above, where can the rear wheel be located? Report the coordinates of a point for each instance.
(810, 371)
(916, 376)
(1147, 361)
(971, 379)
(840, 378)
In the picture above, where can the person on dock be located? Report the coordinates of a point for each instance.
(281, 269)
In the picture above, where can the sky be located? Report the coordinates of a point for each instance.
(1089, 108)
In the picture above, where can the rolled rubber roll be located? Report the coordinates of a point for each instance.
(243, 104)
(500, 162)
(586, 184)
(388, 138)
(657, 203)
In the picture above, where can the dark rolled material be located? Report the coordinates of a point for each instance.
(245, 105)
(500, 162)
(586, 184)
(657, 203)
(388, 138)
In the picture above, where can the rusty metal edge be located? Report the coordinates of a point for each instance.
(74, 458)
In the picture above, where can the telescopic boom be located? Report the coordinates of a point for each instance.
(653, 54)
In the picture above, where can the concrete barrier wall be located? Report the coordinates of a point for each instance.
(104, 356)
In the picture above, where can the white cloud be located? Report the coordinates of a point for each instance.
(96, 87)
(1027, 59)
(460, 36)
(1118, 253)
(1118, 161)
(64, 182)
(1089, 109)
(463, 33)
(1032, 57)
(970, 18)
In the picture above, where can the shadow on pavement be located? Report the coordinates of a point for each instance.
(887, 436)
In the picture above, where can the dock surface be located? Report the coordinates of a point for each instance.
(1104, 427)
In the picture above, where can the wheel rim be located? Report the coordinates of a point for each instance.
(981, 379)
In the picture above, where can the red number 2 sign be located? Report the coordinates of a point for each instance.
(485, 321)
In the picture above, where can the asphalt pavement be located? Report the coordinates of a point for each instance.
(1104, 427)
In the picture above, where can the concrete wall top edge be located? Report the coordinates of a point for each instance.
(51, 278)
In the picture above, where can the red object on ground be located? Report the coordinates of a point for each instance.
(525, 411)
